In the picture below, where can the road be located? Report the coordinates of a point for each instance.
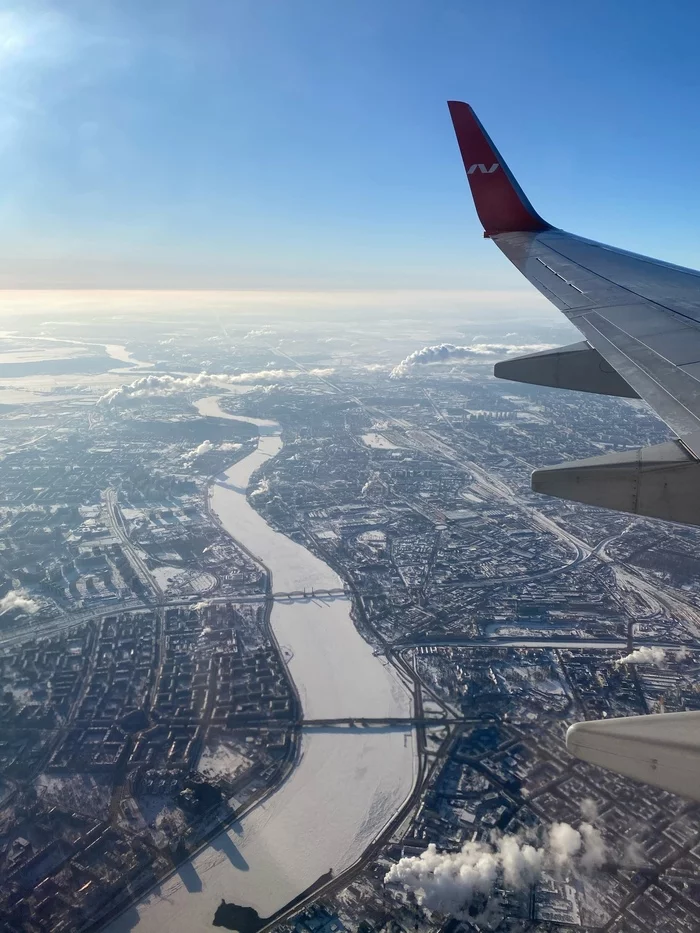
(579, 644)
(116, 522)
(68, 620)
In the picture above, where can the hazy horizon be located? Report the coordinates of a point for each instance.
(517, 305)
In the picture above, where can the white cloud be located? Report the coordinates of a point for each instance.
(152, 385)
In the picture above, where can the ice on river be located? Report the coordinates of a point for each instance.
(348, 783)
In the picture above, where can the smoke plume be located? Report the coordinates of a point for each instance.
(564, 843)
(633, 855)
(262, 488)
(18, 600)
(200, 449)
(444, 352)
(594, 848)
(458, 883)
(170, 385)
(644, 655)
(205, 447)
(589, 809)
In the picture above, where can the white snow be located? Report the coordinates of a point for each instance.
(292, 566)
(133, 515)
(334, 669)
(209, 407)
(378, 440)
(84, 793)
(165, 575)
(222, 759)
(183, 580)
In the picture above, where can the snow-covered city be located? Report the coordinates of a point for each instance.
(287, 640)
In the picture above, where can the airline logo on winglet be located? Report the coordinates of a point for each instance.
(482, 168)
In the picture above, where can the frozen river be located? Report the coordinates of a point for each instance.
(347, 784)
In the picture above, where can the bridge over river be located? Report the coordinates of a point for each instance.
(354, 722)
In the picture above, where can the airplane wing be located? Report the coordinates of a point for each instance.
(641, 321)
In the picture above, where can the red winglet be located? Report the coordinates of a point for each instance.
(499, 200)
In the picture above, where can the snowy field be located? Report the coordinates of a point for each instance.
(165, 575)
(222, 760)
(379, 441)
(349, 782)
(88, 794)
(179, 580)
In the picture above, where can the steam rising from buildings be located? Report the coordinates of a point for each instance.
(375, 487)
(644, 655)
(18, 600)
(261, 489)
(589, 809)
(171, 385)
(445, 352)
(461, 883)
(633, 855)
(205, 447)
(565, 842)
(200, 449)
(594, 848)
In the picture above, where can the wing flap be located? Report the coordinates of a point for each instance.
(578, 366)
(660, 481)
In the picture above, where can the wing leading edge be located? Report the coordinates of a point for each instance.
(641, 321)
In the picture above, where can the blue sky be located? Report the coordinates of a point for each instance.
(305, 144)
